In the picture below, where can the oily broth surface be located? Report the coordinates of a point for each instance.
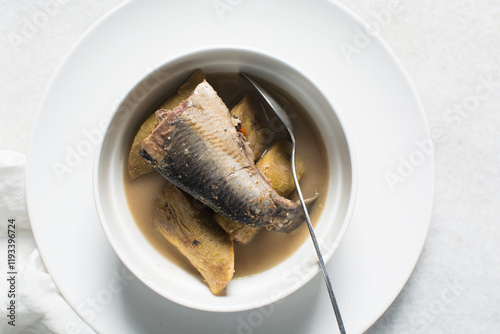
(267, 248)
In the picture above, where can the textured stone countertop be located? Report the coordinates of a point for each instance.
(451, 51)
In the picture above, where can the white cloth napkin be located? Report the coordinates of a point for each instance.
(40, 308)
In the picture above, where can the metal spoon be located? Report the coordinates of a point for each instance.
(288, 124)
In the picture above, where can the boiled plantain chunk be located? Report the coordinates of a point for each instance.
(239, 232)
(194, 233)
(185, 90)
(276, 164)
(136, 164)
(245, 112)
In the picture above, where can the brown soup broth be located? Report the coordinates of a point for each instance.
(267, 248)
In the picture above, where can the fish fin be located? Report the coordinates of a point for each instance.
(311, 199)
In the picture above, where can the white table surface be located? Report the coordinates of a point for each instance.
(451, 51)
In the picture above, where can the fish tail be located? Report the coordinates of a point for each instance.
(287, 217)
(290, 215)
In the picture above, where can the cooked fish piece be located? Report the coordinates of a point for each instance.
(136, 164)
(196, 235)
(244, 118)
(276, 165)
(197, 148)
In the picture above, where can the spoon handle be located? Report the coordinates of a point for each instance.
(333, 300)
(288, 124)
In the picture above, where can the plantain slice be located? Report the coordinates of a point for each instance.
(245, 112)
(137, 166)
(239, 232)
(185, 90)
(194, 233)
(276, 165)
